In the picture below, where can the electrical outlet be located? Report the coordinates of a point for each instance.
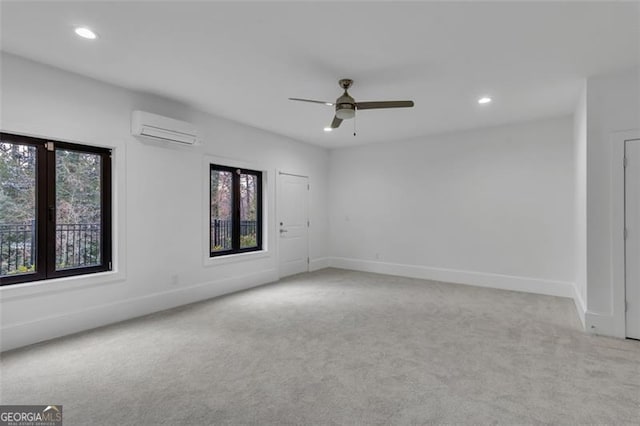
(174, 279)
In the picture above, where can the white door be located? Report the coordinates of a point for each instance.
(632, 241)
(293, 224)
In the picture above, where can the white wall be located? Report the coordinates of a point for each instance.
(613, 105)
(487, 207)
(580, 167)
(159, 203)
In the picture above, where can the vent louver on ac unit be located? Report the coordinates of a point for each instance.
(167, 129)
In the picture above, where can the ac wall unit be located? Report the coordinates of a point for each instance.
(167, 129)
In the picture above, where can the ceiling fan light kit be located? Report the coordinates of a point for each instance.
(346, 106)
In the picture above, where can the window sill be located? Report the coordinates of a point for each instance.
(57, 285)
(235, 258)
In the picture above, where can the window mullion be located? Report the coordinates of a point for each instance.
(236, 210)
(41, 212)
(49, 222)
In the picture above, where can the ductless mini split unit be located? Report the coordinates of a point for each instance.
(159, 128)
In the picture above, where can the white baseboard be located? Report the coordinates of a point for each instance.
(602, 324)
(317, 264)
(481, 279)
(26, 333)
(580, 305)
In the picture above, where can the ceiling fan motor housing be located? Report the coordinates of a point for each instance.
(345, 107)
(345, 111)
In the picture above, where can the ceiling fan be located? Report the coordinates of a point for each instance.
(346, 106)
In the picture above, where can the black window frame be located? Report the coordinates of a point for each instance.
(45, 215)
(236, 172)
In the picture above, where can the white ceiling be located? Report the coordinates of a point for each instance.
(243, 60)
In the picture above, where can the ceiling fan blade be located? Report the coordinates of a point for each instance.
(312, 101)
(384, 104)
(336, 122)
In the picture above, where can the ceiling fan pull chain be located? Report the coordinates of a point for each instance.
(354, 125)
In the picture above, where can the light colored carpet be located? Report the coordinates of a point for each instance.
(338, 347)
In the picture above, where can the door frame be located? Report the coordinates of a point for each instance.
(279, 174)
(618, 251)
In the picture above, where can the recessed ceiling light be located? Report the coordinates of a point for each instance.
(328, 103)
(85, 32)
(328, 129)
(484, 100)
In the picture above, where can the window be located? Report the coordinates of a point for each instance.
(55, 209)
(235, 210)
